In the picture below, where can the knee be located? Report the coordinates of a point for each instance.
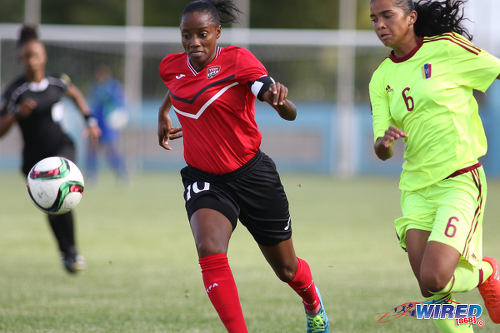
(286, 273)
(211, 232)
(208, 247)
(433, 281)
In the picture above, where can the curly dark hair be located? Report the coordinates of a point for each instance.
(222, 11)
(28, 33)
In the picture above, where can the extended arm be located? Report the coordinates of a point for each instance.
(78, 99)
(6, 122)
(8, 118)
(276, 96)
(165, 130)
(93, 130)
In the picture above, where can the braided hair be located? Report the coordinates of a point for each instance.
(222, 11)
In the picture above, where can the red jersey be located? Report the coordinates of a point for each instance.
(215, 107)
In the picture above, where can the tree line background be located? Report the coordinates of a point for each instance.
(309, 72)
(296, 14)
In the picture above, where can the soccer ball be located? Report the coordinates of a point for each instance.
(55, 185)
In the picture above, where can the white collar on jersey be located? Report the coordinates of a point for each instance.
(39, 86)
(219, 49)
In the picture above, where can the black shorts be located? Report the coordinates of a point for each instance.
(66, 149)
(253, 194)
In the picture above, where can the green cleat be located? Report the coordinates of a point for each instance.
(318, 323)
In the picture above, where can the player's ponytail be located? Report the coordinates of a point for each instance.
(27, 34)
(222, 11)
(437, 17)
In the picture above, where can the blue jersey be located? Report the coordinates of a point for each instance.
(105, 98)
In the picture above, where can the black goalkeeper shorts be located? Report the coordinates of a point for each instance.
(67, 150)
(252, 193)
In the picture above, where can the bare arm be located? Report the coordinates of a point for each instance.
(165, 130)
(276, 96)
(76, 95)
(23, 109)
(6, 122)
(383, 145)
(382, 151)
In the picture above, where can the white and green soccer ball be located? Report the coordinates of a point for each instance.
(55, 185)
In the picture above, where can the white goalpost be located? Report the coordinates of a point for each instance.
(347, 43)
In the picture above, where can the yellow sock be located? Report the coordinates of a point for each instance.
(449, 325)
(487, 270)
(466, 277)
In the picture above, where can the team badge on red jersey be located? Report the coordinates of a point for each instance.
(427, 71)
(212, 71)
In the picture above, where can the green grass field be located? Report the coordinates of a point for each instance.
(143, 273)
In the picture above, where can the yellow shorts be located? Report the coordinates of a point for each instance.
(452, 210)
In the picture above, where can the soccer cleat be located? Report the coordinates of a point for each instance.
(490, 291)
(318, 323)
(73, 263)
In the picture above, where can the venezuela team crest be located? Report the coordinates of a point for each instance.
(427, 71)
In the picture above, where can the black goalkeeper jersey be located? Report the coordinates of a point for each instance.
(41, 131)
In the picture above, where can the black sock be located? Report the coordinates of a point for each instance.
(64, 232)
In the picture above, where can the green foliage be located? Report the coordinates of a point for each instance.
(90, 12)
(11, 11)
(296, 14)
(143, 274)
(163, 13)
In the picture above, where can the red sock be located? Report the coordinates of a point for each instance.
(303, 284)
(221, 290)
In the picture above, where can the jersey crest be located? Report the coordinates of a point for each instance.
(215, 107)
(212, 71)
(427, 71)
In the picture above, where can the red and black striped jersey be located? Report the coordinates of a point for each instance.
(215, 107)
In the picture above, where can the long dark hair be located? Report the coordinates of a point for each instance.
(437, 17)
(222, 11)
(27, 34)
